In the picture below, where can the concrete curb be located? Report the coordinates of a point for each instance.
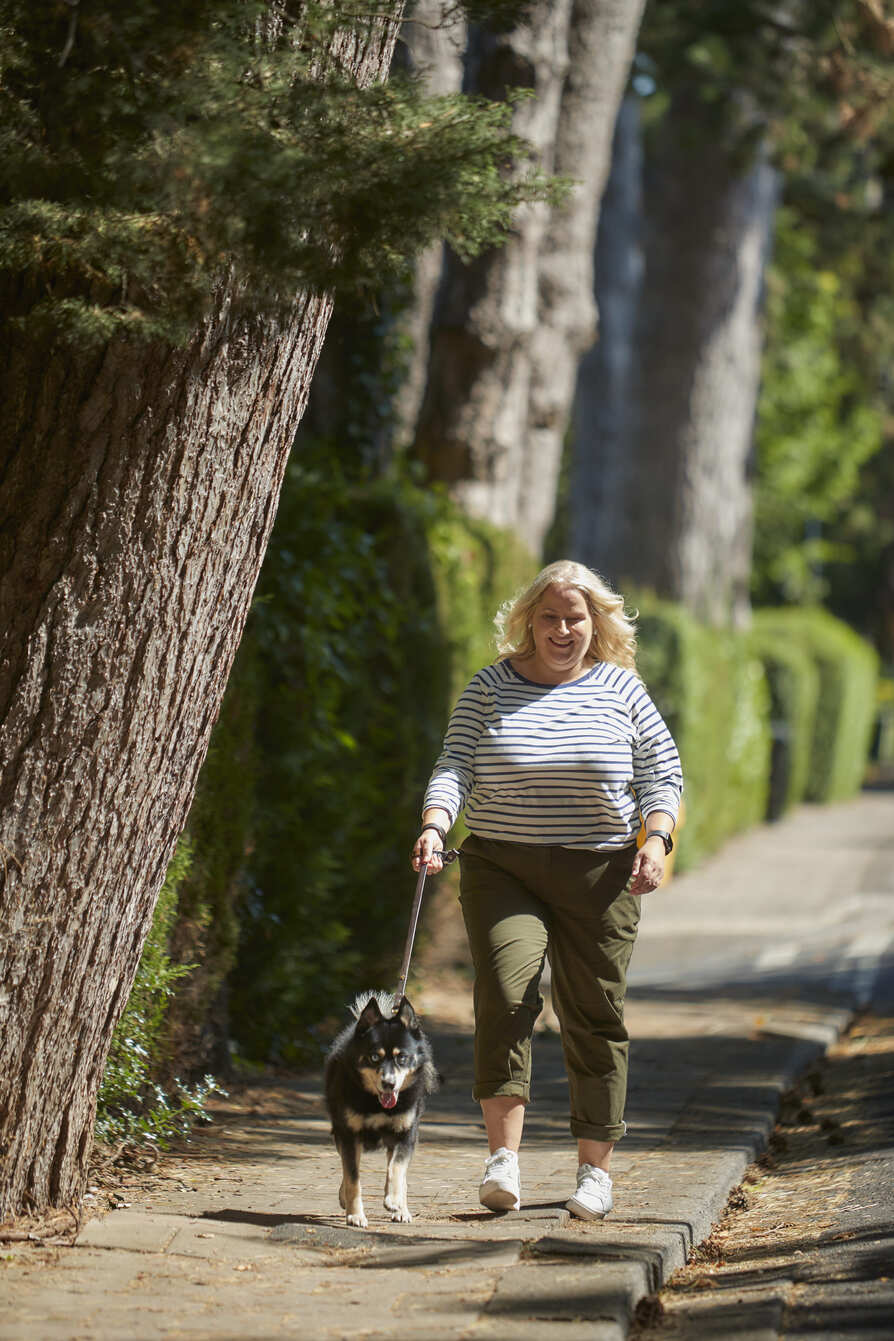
(637, 1255)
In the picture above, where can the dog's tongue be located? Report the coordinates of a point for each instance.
(388, 1098)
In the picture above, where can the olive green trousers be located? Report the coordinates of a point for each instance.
(522, 901)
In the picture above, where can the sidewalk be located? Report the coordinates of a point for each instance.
(242, 1237)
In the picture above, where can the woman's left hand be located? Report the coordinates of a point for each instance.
(648, 867)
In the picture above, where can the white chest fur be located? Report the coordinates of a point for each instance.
(376, 1121)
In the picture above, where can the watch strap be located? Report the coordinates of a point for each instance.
(665, 837)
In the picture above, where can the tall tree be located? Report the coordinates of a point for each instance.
(661, 477)
(508, 329)
(435, 51)
(183, 190)
(662, 494)
(601, 42)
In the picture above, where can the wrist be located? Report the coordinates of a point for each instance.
(663, 837)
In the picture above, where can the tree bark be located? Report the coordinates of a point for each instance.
(601, 43)
(509, 330)
(435, 53)
(472, 424)
(139, 487)
(603, 465)
(664, 469)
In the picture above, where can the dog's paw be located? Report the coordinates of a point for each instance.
(358, 1221)
(401, 1215)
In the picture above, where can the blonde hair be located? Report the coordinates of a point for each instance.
(614, 632)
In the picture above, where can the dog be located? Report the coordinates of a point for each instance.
(379, 1073)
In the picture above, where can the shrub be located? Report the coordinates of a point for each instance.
(133, 1106)
(476, 567)
(793, 684)
(848, 670)
(220, 833)
(711, 691)
(371, 609)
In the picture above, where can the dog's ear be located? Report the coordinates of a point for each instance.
(407, 1015)
(369, 1016)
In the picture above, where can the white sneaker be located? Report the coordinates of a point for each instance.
(593, 1198)
(501, 1188)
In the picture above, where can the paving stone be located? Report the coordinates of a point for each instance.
(132, 1230)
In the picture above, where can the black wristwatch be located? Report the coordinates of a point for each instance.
(664, 836)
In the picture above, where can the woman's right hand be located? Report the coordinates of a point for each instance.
(428, 848)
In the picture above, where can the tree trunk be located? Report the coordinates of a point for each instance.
(603, 465)
(139, 490)
(472, 424)
(674, 514)
(601, 44)
(435, 52)
(509, 329)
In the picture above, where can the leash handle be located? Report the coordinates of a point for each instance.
(446, 858)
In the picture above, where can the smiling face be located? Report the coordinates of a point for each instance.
(562, 627)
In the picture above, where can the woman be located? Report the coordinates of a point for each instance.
(554, 752)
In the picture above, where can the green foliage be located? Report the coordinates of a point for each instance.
(220, 833)
(817, 425)
(845, 712)
(793, 684)
(368, 619)
(132, 1106)
(711, 691)
(815, 76)
(476, 567)
(351, 689)
(149, 150)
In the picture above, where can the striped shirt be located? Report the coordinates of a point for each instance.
(568, 764)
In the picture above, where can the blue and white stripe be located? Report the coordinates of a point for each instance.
(570, 764)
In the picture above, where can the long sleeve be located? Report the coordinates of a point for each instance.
(453, 777)
(657, 773)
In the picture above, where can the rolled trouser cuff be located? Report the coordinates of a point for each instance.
(509, 1089)
(591, 1131)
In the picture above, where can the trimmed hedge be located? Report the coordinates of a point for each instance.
(475, 567)
(371, 610)
(711, 690)
(845, 712)
(793, 685)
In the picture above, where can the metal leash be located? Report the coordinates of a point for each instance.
(446, 858)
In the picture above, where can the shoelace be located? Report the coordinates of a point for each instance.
(497, 1163)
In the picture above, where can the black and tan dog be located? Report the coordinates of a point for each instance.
(379, 1073)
